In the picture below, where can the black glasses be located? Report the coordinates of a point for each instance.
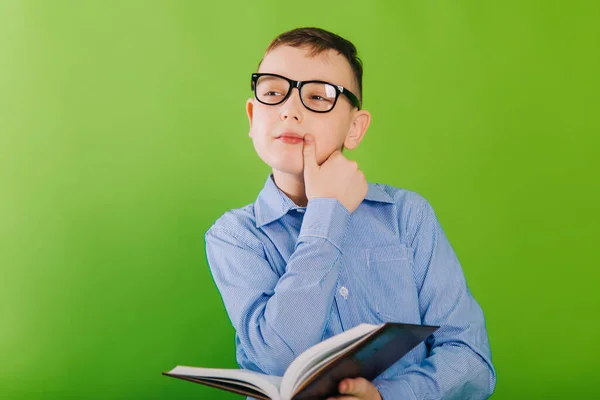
(317, 96)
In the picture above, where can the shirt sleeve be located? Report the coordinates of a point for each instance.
(459, 364)
(277, 317)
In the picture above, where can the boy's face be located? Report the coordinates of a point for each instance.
(343, 125)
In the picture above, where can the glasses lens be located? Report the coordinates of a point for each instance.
(319, 96)
(271, 89)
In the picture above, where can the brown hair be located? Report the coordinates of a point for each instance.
(319, 40)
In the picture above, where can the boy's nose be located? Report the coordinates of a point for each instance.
(292, 106)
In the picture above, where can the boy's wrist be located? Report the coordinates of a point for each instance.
(326, 218)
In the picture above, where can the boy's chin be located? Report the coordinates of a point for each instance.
(293, 170)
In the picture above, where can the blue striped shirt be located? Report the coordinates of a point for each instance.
(293, 276)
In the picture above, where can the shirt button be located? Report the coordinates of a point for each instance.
(344, 292)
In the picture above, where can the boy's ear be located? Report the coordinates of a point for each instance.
(358, 128)
(249, 112)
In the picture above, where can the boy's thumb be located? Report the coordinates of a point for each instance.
(309, 151)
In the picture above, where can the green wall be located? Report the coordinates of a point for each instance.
(123, 137)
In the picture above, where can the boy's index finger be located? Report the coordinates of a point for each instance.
(309, 151)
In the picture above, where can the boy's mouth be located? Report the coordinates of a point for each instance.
(290, 138)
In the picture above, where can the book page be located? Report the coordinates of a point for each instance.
(230, 385)
(315, 367)
(267, 384)
(317, 353)
(235, 382)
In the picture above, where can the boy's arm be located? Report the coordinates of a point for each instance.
(277, 318)
(459, 363)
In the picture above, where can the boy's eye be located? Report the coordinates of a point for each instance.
(273, 93)
(315, 97)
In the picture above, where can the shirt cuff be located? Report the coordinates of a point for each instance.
(394, 389)
(325, 218)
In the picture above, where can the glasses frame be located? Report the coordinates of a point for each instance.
(299, 84)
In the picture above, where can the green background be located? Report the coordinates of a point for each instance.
(123, 137)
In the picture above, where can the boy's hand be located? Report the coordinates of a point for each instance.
(357, 389)
(337, 177)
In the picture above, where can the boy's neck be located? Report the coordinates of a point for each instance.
(292, 186)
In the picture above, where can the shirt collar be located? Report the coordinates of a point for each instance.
(273, 204)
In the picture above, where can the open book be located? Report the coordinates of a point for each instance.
(363, 351)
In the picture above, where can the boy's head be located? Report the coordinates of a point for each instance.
(330, 110)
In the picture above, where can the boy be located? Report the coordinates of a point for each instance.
(322, 250)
